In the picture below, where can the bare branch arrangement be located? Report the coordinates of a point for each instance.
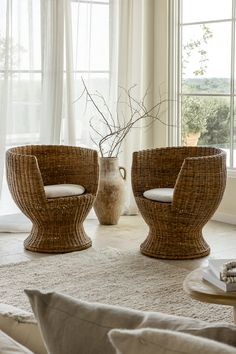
(115, 127)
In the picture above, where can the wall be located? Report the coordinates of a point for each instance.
(226, 211)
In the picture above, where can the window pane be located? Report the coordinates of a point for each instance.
(206, 58)
(90, 27)
(206, 10)
(206, 121)
(24, 115)
(100, 38)
(25, 50)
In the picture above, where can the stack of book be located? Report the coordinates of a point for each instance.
(212, 274)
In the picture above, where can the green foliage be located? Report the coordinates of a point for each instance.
(217, 130)
(194, 115)
(206, 85)
(196, 46)
(209, 116)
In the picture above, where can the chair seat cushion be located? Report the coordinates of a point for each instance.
(63, 190)
(160, 194)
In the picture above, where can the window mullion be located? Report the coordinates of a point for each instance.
(232, 86)
(180, 68)
(174, 72)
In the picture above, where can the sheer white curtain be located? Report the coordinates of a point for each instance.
(36, 79)
(90, 42)
(20, 81)
(46, 46)
(142, 61)
(57, 70)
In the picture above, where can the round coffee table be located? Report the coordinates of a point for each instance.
(199, 289)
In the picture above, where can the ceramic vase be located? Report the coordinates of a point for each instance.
(109, 203)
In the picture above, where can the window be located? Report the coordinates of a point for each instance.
(202, 79)
(90, 35)
(20, 65)
(20, 60)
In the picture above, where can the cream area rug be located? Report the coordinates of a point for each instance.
(109, 276)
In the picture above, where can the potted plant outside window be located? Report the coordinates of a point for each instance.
(194, 118)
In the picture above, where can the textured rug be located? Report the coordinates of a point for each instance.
(110, 276)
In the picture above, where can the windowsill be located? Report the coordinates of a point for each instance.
(231, 173)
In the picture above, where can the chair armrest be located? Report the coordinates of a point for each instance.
(68, 164)
(24, 179)
(155, 168)
(85, 170)
(200, 185)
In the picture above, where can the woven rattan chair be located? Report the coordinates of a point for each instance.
(198, 176)
(57, 222)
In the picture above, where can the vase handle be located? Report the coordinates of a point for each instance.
(124, 172)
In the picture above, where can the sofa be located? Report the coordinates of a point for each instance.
(65, 325)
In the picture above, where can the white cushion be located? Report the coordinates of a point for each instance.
(160, 194)
(153, 341)
(87, 324)
(63, 190)
(9, 346)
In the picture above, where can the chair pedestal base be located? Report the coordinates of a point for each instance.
(57, 239)
(176, 245)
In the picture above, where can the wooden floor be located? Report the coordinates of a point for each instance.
(128, 234)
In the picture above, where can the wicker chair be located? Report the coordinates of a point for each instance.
(57, 222)
(198, 176)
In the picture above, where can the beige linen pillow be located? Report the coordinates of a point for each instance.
(68, 325)
(10, 346)
(22, 327)
(157, 341)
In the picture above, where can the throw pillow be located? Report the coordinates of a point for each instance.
(67, 324)
(153, 341)
(22, 327)
(9, 346)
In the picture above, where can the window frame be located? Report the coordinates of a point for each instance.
(174, 80)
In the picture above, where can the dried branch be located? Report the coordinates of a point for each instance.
(109, 142)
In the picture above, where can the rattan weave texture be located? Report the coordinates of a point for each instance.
(57, 222)
(198, 176)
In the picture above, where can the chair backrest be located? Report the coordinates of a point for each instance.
(160, 168)
(60, 164)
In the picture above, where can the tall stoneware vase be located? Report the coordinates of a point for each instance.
(110, 199)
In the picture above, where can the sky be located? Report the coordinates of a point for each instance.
(217, 47)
